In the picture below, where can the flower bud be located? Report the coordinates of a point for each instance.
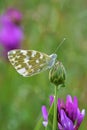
(57, 74)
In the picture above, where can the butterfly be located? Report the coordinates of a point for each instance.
(30, 62)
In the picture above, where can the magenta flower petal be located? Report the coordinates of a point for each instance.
(71, 107)
(66, 122)
(75, 107)
(45, 113)
(60, 126)
(51, 100)
(60, 105)
(80, 117)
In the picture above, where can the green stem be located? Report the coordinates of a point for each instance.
(55, 110)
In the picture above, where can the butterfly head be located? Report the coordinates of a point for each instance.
(52, 60)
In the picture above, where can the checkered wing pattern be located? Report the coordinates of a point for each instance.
(29, 62)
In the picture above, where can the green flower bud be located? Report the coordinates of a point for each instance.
(57, 74)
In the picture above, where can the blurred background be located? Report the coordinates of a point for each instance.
(44, 24)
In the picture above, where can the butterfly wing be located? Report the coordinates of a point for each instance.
(28, 62)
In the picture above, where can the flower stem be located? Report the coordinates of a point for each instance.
(55, 110)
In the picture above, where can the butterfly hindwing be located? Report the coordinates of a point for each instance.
(28, 62)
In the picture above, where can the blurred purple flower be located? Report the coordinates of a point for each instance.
(69, 115)
(11, 33)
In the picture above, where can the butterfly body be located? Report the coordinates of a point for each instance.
(30, 62)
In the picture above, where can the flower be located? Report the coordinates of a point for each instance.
(57, 74)
(45, 115)
(11, 33)
(69, 115)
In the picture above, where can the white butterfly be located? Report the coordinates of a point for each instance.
(30, 62)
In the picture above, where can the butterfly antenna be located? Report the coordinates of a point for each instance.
(60, 45)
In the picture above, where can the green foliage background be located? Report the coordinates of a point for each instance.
(45, 24)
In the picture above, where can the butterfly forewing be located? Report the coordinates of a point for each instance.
(28, 62)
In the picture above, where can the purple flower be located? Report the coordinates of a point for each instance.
(69, 115)
(45, 115)
(11, 33)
